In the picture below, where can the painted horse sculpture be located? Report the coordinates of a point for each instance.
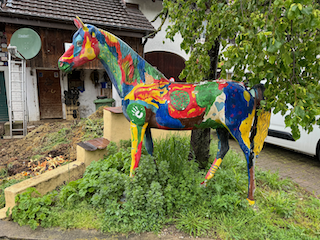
(149, 100)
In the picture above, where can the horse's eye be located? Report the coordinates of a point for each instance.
(79, 43)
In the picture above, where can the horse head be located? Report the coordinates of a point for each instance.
(84, 48)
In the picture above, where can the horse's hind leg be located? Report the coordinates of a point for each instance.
(244, 142)
(223, 147)
(148, 141)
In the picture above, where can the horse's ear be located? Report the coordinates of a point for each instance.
(79, 24)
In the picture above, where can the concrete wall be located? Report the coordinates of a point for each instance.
(117, 127)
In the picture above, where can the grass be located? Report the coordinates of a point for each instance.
(83, 217)
(56, 138)
(89, 129)
(93, 128)
(168, 193)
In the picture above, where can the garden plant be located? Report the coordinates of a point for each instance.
(165, 191)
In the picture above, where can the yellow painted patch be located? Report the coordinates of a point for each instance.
(213, 169)
(134, 138)
(246, 96)
(191, 111)
(245, 128)
(251, 202)
(149, 93)
(68, 57)
(88, 51)
(110, 36)
(262, 131)
(135, 142)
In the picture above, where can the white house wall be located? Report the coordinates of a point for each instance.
(86, 98)
(151, 9)
(32, 95)
(32, 92)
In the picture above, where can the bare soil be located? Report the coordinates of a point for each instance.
(26, 156)
(16, 155)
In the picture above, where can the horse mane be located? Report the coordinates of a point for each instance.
(134, 69)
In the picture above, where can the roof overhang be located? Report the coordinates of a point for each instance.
(67, 25)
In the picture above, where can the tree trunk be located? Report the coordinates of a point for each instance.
(200, 138)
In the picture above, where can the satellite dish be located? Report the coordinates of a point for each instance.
(27, 41)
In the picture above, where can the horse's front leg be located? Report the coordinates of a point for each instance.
(223, 148)
(137, 134)
(138, 126)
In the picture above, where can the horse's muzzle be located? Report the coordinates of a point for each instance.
(64, 66)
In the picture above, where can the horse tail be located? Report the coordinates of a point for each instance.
(261, 123)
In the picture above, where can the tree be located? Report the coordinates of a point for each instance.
(275, 40)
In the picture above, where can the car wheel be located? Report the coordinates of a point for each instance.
(318, 150)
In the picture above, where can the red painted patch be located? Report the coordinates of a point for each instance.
(66, 56)
(137, 156)
(222, 84)
(192, 109)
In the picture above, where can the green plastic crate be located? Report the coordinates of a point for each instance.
(103, 102)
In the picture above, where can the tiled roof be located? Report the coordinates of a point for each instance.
(109, 13)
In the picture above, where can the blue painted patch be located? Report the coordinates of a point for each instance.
(236, 106)
(164, 119)
(140, 66)
(219, 106)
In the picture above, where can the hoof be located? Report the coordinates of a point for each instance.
(123, 198)
(251, 202)
(203, 184)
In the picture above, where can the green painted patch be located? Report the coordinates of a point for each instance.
(180, 100)
(207, 94)
(137, 113)
(209, 124)
(153, 72)
(112, 62)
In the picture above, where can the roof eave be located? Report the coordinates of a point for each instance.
(38, 21)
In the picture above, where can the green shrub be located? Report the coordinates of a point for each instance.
(32, 209)
(102, 180)
(166, 189)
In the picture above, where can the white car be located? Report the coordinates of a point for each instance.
(281, 136)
